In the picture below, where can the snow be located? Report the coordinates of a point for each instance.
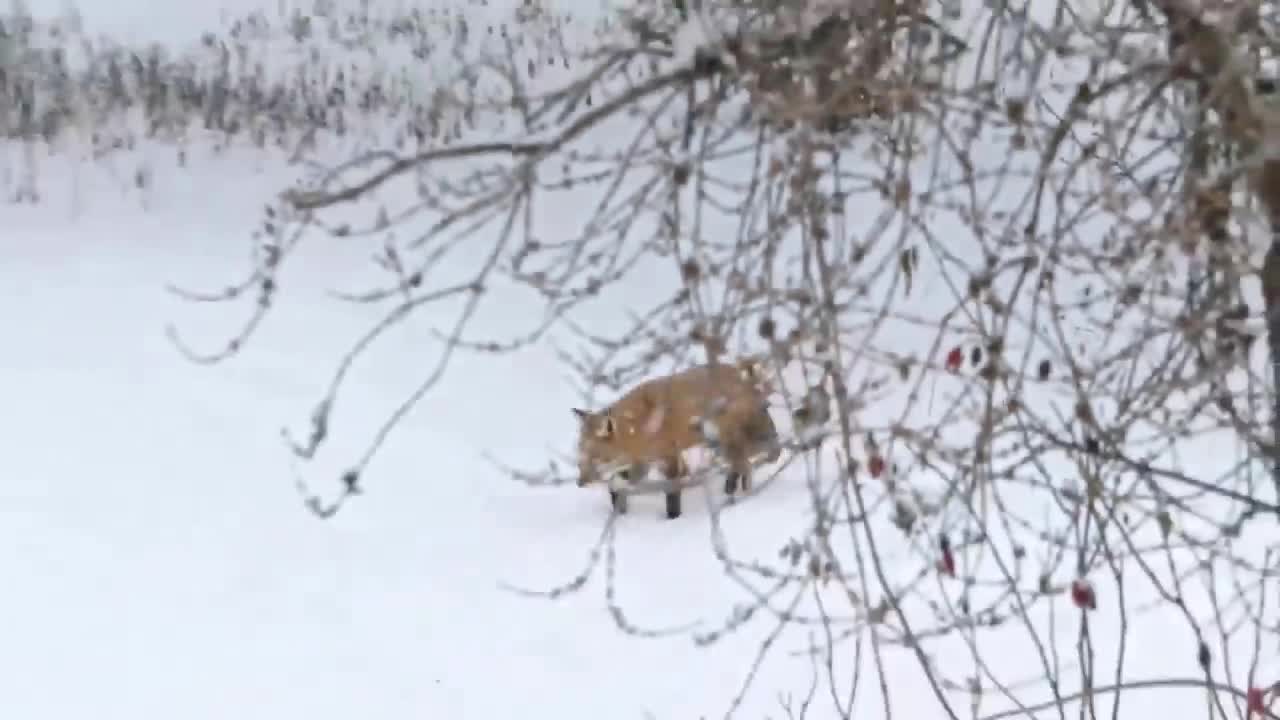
(160, 564)
(164, 567)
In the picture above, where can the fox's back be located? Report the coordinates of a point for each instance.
(706, 391)
(660, 416)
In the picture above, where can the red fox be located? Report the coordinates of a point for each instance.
(718, 405)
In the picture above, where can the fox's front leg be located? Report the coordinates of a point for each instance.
(618, 498)
(673, 469)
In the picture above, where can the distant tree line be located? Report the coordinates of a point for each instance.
(265, 81)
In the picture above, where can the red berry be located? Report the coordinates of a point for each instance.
(947, 565)
(1255, 705)
(876, 466)
(1082, 595)
(947, 562)
(954, 359)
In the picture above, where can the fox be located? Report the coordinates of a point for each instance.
(720, 405)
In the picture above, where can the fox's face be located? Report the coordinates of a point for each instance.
(597, 445)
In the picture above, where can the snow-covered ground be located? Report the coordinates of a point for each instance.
(159, 563)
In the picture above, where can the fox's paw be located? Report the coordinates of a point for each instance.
(673, 505)
(619, 501)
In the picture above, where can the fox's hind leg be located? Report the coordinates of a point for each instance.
(739, 474)
(731, 479)
(764, 436)
(673, 468)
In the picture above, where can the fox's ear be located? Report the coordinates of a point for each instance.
(606, 429)
(581, 414)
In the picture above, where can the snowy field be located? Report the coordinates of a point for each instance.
(168, 568)
(161, 563)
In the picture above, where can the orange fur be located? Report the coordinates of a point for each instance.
(660, 418)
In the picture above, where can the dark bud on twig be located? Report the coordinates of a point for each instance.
(351, 482)
(767, 328)
(690, 271)
(904, 516)
(706, 62)
(1016, 110)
